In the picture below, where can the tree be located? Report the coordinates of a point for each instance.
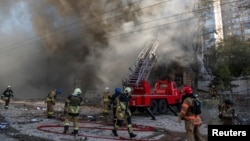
(230, 59)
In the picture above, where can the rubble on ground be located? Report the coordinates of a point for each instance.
(23, 118)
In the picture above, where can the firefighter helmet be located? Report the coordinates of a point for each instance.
(106, 89)
(77, 91)
(127, 90)
(8, 86)
(58, 91)
(117, 90)
(228, 102)
(187, 90)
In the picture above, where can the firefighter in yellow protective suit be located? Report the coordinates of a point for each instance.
(50, 101)
(106, 100)
(227, 112)
(192, 121)
(123, 113)
(114, 102)
(213, 92)
(72, 110)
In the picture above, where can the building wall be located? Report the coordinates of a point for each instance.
(236, 18)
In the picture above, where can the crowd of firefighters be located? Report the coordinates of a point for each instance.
(118, 103)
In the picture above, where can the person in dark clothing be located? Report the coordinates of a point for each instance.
(6, 96)
(114, 102)
(123, 113)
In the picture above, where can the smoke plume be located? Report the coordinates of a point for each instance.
(88, 43)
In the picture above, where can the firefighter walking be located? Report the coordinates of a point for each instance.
(114, 101)
(106, 100)
(123, 113)
(72, 111)
(192, 121)
(7, 96)
(50, 101)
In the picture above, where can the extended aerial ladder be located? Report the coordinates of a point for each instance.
(143, 66)
(138, 75)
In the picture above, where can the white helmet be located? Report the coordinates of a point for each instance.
(77, 91)
(127, 90)
(8, 86)
(106, 89)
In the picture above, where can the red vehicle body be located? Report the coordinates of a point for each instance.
(158, 99)
(164, 94)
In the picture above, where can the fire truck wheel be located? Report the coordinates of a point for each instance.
(162, 106)
(153, 107)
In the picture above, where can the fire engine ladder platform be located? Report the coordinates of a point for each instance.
(143, 65)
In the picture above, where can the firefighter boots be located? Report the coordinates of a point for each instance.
(115, 132)
(132, 135)
(50, 116)
(75, 133)
(66, 128)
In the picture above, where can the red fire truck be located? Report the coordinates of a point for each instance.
(155, 100)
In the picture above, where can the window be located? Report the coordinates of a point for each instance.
(247, 25)
(247, 31)
(163, 85)
(236, 26)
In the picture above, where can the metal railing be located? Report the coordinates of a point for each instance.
(146, 58)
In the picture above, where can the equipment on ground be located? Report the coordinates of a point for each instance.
(165, 92)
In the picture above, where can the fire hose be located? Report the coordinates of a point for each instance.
(109, 126)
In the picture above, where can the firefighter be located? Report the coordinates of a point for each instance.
(7, 96)
(213, 91)
(72, 110)
(50, 101)
(106, 100)
(114, 101)
(192, 121)
(227, 112)
(123, 113)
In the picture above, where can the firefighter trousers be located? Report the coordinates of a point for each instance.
(193, 132)
(105, 106)
(7, 101)
(50, 109)
(69, 118)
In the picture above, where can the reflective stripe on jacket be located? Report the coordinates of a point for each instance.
(50, 99)
(186, 113)
(73, 103)
(106, 96)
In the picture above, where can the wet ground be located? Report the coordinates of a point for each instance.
(23, 121)
(21, 127)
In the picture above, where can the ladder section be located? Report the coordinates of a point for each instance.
(143, 65)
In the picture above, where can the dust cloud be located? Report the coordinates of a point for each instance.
(89, 43)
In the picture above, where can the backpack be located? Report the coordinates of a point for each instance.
(196, 106)
(115, 100)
